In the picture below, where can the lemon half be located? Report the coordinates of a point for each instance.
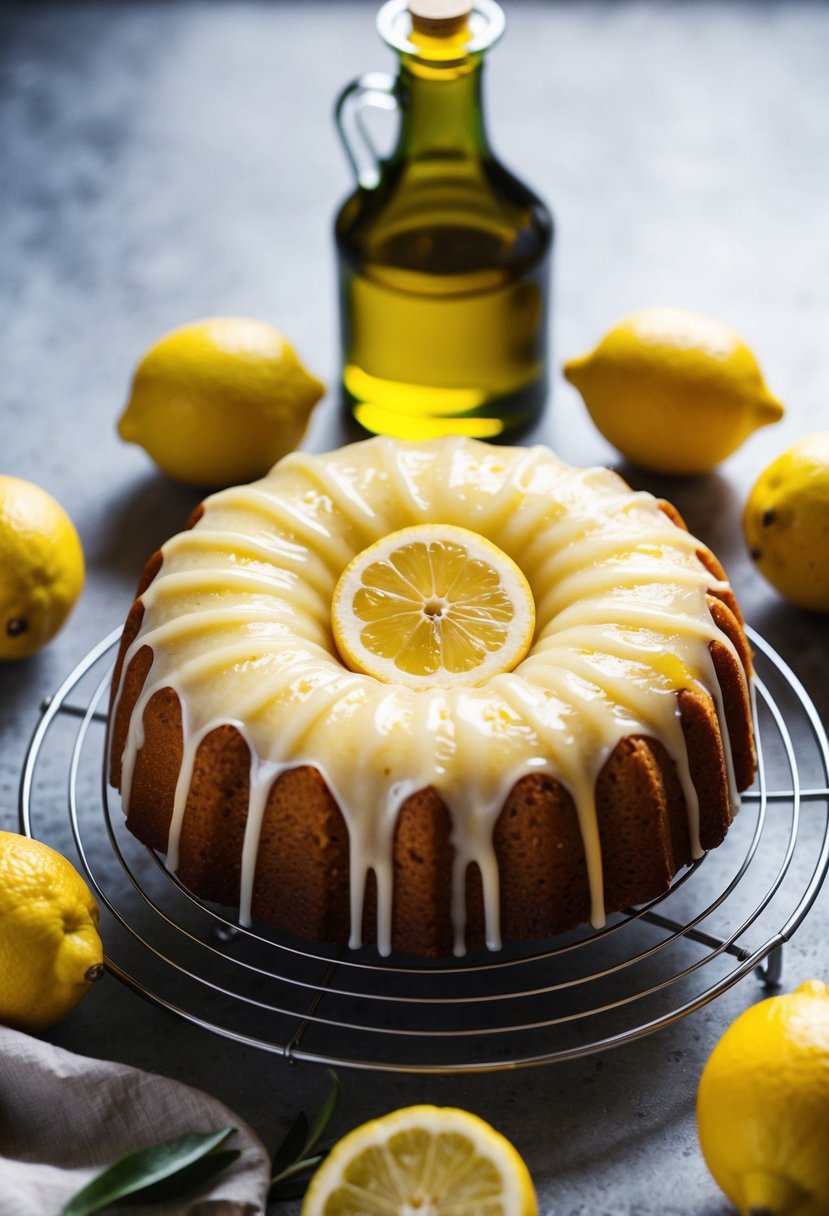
(429, 1160)
(432, 605)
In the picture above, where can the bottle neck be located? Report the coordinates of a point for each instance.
(442, 112)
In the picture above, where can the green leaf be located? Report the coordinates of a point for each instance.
(326, 1114)
(292, 1146)
(292, 1157)
(142, 1169)
(188, 1179)
(298, 1167)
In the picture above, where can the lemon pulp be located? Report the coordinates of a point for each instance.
(433, 604)
(423, 1161)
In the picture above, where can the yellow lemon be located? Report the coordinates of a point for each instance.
(674, 391)
(41, 567)
(50, 951)
(432, 605)
(786, 523)
(422, 1159)
(763, 1106)
(219, 401)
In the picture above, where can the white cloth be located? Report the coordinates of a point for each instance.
(64, 1117)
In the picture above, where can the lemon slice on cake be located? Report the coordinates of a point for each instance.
(428, 1160)
(432, 605)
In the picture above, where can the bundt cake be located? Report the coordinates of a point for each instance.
(345, 808)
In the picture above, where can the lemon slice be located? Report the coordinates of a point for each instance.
(432, 605)
(422, 1161)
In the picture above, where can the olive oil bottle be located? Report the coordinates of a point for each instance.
(443, 255)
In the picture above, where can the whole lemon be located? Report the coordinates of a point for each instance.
(763, 1106)
(219, 401)
(674, 391)
(786, 523)
(41, 567)
(50, 951)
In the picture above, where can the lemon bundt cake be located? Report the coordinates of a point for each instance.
(332, 708)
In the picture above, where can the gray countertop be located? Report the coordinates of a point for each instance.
(162, 162)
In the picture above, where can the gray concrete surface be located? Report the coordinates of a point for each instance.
(165, 161)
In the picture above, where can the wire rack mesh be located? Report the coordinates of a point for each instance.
(726, 916)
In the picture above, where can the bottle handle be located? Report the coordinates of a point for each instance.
(375, 89)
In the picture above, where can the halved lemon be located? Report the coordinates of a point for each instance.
(431, 605)
(427, 1160)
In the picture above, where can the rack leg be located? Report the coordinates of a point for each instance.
(297, 1036)
(770, 972)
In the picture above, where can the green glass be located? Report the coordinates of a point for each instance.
(443, 255)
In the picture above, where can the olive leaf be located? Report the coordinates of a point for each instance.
(290, 1149)
(190, 1178)
(161, 1171)
(169, 1169)
(293, 1156)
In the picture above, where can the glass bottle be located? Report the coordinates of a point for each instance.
(443, 255)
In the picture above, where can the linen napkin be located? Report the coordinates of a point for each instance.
(64, 1117)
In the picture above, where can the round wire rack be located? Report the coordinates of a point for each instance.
(726, 916)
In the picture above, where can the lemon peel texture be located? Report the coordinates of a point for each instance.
(674, 391)
(41, 567)
(786, 523)
(50, 949)
(219, 401)
(763, 1106)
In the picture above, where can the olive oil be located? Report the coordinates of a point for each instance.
(444, 261)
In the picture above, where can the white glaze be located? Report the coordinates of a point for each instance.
(239, 625)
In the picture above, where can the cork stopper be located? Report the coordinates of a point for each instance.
(439, 18)
(440, 31)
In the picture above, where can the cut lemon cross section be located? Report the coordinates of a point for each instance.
(422, 1161)
(432, 605)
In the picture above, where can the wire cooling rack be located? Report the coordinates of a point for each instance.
(724, 917)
